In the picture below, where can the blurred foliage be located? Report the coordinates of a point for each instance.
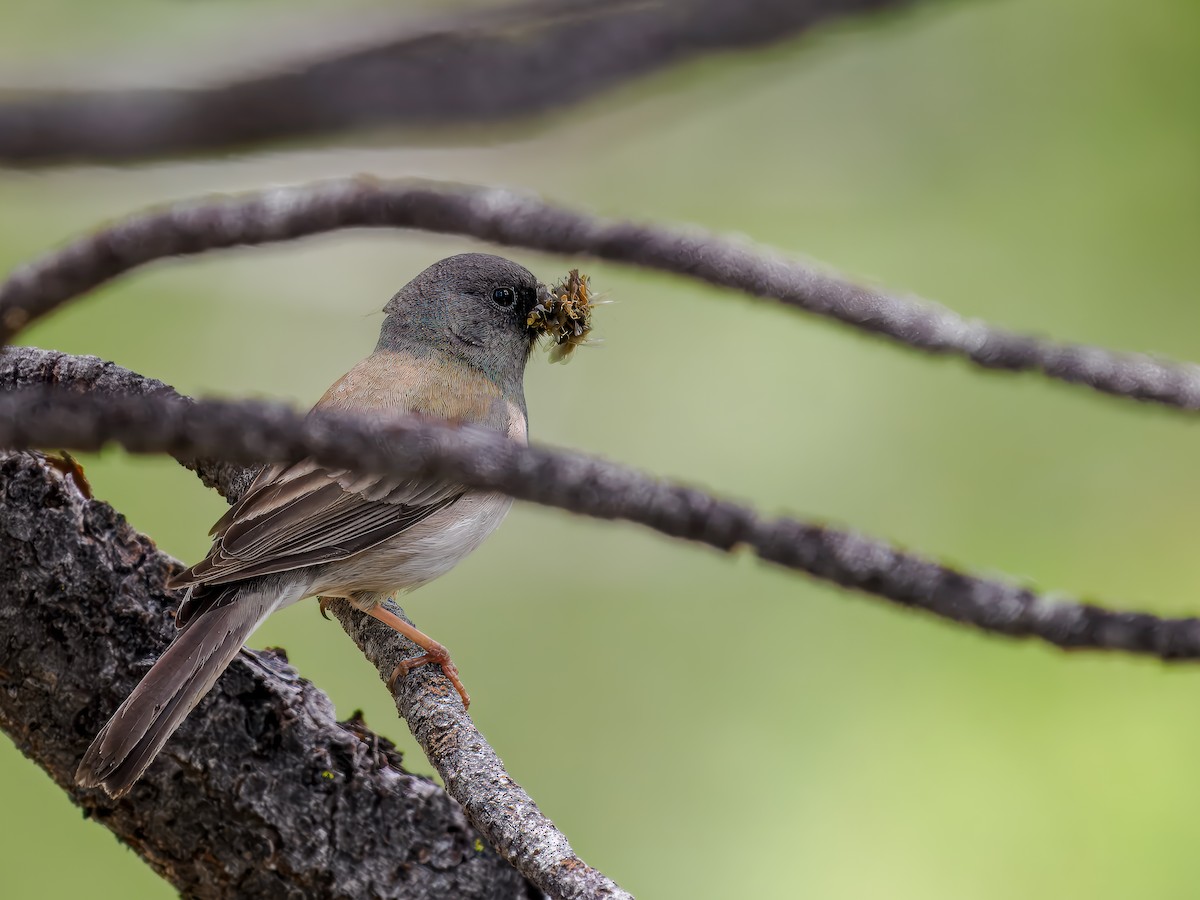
(703, 726)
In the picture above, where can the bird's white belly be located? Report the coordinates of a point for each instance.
(420, 554)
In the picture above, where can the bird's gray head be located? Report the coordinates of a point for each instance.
(473, 306)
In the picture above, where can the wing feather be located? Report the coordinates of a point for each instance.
(304, 515)
(297, 515)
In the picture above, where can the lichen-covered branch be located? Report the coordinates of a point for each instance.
(479, 67)
(248, 431)
(518, 220)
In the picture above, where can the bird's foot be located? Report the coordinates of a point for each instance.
(435, 655)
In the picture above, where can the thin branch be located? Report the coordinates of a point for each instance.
(262, 793)
(32, 367)
(414, 448)
(479, 68)
(473, 773)
(506, 218)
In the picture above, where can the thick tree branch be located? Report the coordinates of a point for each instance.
(515, 220)
(479, 68)
(413, 448)
(473, 772)
(261, 793)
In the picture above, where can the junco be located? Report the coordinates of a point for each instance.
(454, 345)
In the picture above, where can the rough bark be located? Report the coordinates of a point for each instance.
(262, 792)
(473, 772)
(33, 367)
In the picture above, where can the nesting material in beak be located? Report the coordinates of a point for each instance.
(564, 314)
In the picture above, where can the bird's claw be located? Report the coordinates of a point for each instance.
(449, 669)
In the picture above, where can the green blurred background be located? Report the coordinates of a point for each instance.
(1033, 162)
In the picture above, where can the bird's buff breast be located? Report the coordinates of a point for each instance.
(397, 382)
(424, 552)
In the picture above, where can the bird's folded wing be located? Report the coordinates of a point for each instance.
(303, 515)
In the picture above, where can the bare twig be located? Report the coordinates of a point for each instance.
(472, 771)
(479, 68)
(517, 220)
(411, 448)
(30, 366)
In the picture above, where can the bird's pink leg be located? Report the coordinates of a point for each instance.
(434, 653)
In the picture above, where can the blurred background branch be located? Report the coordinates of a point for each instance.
(254, 432)
(511, 219)
(24, 367)
(482, 67)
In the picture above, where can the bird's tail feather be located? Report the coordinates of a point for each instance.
(173, 686)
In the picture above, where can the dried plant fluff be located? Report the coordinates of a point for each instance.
(564, 315)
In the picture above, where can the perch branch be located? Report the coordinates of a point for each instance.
(479, 68)
(411, 448)
(506, 218)
(474, 774)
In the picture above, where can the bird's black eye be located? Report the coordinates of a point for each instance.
(503, 296)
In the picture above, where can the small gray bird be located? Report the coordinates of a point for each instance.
(454, 345)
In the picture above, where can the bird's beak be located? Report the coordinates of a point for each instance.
(541, 303)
